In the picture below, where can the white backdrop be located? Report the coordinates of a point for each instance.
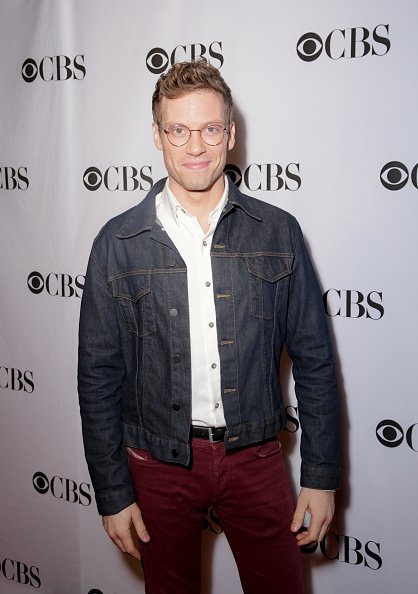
(326, 102)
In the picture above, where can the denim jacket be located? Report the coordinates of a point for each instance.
(134, 374)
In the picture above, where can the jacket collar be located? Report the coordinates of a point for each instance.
(143, 216)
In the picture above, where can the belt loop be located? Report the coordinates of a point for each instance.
(210, 432)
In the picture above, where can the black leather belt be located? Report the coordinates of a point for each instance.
(210, 433)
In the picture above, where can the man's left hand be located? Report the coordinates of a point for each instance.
(320, 505)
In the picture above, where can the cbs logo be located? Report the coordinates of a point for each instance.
(269, 177)
(54, 68)
(395, 175)
(354, 42)
(14, 179)
(158, 60)
(17, 571)
(349, 550)
(391, 434)
(124, 178)
(56, 284)
(62, 488)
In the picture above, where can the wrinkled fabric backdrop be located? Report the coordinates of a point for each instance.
(326, 106)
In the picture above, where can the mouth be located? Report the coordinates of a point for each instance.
(196, 165)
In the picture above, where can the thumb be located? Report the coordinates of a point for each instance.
(140, 527)
(298, 516)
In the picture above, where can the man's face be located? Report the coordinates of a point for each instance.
(195, 166)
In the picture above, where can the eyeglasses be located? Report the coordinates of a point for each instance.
(211, 134)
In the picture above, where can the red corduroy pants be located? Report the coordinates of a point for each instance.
(250, 493)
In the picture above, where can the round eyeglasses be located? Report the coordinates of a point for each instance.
(211, 134)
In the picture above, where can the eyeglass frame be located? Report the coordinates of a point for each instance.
(190, 133)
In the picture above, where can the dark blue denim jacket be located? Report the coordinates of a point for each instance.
(134, 351)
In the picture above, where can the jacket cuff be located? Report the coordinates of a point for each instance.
(326, 478)
(113, 502)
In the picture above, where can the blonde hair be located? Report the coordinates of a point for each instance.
(184, 77)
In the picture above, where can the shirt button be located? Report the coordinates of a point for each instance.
(217, 405)
(176, 358)
(174, 313)
(176, 407)
(174, 453)
(213, 365)
(205, 243)
(207, 283)
(211, 324)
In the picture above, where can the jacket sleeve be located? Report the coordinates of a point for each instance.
(309, 346)
(100, 375)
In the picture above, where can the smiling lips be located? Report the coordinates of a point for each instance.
(196, 165)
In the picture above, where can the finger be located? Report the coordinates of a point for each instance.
(298, 516)
(128, 546)
(324, 530)
(140, 528)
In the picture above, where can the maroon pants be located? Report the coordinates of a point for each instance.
(250, 493)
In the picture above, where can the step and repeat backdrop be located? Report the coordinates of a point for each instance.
(326, 114)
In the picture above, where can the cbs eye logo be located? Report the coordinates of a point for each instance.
(395, 175)
(309, 47)
(391, 434)
(234, 174)
(157, 60)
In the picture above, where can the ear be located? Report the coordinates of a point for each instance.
(157, 137)
(231, 136)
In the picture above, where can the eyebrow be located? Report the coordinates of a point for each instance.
(221, 123)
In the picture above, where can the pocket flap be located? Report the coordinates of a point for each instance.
(132, 287)
(270, 267)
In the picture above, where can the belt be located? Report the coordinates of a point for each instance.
(210, 433)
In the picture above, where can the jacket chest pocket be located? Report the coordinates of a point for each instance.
(134, 299)
(268, 276)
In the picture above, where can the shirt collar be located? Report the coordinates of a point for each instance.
(173, 208)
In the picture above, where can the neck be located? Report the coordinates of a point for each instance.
(199, 203)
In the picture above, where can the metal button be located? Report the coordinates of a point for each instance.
(207, 283)
(174, 313)
(176, 406)
(217, 405)
(211, 324)
(205, 243)
(213, 365)
(176, 358)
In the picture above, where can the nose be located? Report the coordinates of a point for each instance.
(195, 145)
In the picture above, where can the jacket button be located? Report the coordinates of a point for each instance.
(176, 359)
(176, 406)
(174, 313)
(174, 453)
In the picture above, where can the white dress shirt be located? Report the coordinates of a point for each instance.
(194, 246)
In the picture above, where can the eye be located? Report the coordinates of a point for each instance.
(92, 178)
(157, 60)
(234, 174)
(213, 129)
(40, 482)
(178, 131)
(309, 47)
(394, 175)
(389, 433)
(35, 282)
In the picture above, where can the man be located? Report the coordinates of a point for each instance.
(188, 301)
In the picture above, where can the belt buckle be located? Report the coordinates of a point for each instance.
(210, 434)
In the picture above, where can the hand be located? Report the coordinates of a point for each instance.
(320, 505)
(118, 527)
